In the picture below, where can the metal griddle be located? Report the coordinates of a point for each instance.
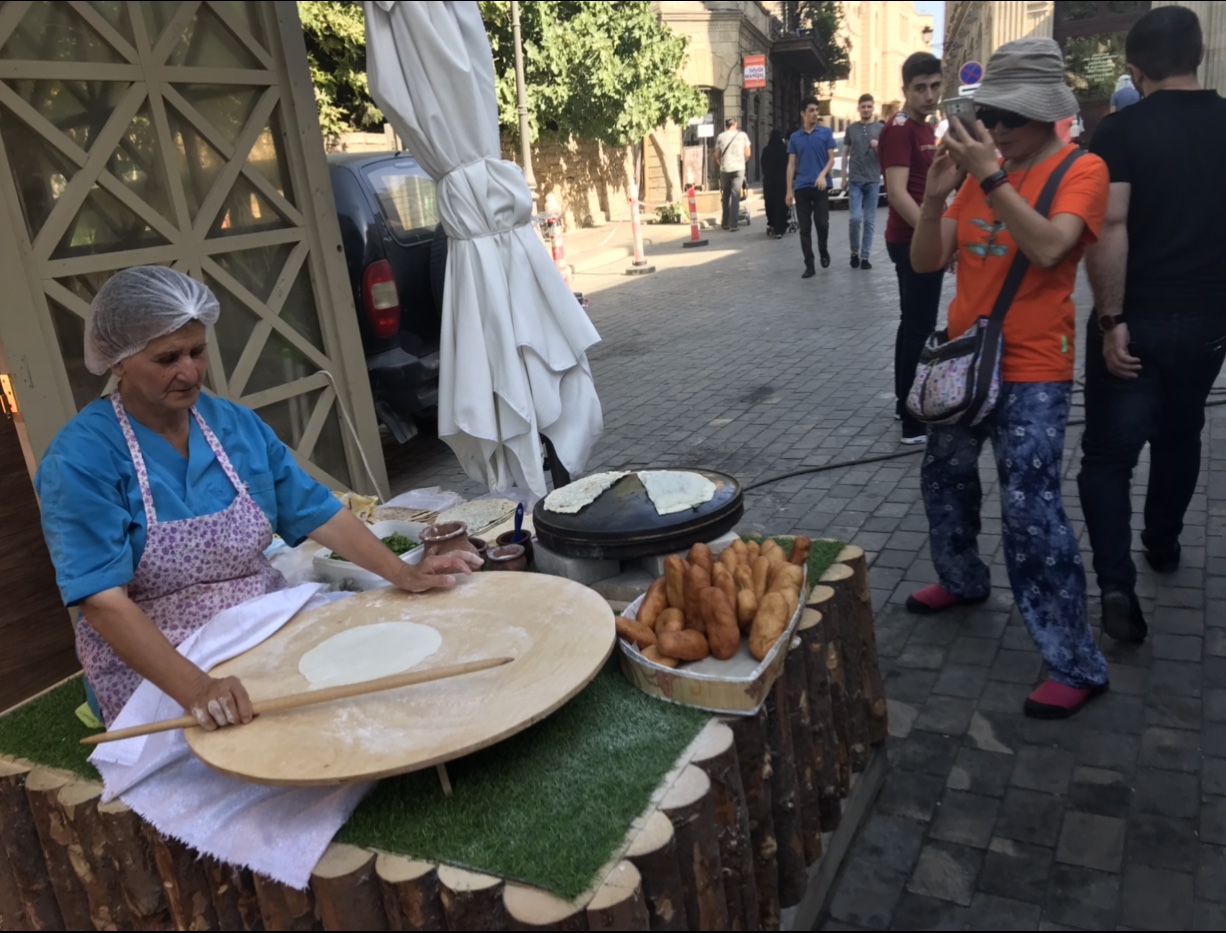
(623, 524)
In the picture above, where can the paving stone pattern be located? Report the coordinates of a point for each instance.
(726, 359)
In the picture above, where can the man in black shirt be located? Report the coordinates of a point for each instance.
(1155, 344)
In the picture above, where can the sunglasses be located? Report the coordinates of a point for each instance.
(990, 117)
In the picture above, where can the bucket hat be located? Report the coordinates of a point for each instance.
(1026, 76)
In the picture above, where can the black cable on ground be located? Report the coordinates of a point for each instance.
(899, 454)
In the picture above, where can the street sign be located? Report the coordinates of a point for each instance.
(970, 73)
(966, 90)
(755, 71)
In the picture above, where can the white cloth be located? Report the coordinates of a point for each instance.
(513, 349)
(281, 832)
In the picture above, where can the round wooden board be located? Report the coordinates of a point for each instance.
(558, 632)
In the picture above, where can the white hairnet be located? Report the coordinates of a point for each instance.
(139, 305)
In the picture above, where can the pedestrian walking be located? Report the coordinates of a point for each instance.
(1125, 93)
(862, 181)
(906, 148)
(732, 149)
(811, 151)
(1157, 338)
(1004, 244)
(774, 160)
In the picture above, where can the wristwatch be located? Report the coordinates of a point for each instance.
(1108, 322)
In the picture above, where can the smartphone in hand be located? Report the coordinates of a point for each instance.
(961, 107)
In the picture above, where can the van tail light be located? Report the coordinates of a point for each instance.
(380, 299)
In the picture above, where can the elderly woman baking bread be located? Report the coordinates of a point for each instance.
(159, 502)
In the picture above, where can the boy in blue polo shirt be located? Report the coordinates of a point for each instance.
(810, 158)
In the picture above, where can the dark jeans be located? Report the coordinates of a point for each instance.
(919, 298)
(1026, 429)
(730, 197)
(1181, 355)
(812, 209)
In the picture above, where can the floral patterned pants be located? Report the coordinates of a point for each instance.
(1044, 561)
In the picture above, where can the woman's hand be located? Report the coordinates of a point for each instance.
(944, 175)
(970, 146)
(219, 701)
(437, 571)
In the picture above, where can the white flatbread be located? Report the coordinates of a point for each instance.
(370, 651)
(582, 492)
(676, 490)
(480, 514)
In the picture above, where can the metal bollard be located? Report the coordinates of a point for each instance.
(638, 266)
(553, 229)
(694, 239)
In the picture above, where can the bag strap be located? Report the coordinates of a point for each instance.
(1021, 262)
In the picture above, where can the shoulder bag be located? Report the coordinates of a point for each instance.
(958, 381)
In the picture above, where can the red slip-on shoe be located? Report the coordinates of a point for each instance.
(1054, 700)
(935, 598)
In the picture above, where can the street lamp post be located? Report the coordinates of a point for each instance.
(521, 92)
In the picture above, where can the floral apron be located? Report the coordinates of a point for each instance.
(190, 570)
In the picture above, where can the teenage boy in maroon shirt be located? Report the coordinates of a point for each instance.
(906, 148)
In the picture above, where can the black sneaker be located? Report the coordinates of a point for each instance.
(1164, 561)
(855, 261)
(808, 273)
(825, 259)
(1122, 617)
(866, 265)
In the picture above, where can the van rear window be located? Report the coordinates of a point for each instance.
(406, 195)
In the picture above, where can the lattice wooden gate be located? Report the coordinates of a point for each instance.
(184, 134)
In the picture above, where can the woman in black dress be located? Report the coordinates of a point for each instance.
(774, 184)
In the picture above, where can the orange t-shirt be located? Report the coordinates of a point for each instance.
(1040, 326)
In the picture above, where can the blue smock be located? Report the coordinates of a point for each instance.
(93, 518)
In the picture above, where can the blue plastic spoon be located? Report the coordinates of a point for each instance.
(519, 524)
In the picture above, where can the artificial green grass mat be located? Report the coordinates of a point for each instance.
(547, 807)
(822, 553)
(46, 731)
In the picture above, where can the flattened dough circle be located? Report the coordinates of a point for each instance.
(368, 652)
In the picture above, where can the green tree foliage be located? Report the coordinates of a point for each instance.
(335, 32)
(605, 71)
(825, 18)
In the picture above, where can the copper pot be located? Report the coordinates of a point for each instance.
(508, 557)
(446, 537)
(525, 541)
(480, 545)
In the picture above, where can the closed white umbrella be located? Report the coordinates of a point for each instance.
(513, 351)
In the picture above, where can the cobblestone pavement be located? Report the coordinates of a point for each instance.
(726, 359)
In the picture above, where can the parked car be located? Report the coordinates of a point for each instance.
(396, 252)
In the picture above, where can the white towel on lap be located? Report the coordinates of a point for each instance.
(279, 832)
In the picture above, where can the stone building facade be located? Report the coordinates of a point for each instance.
(881, 36)
(976, 28)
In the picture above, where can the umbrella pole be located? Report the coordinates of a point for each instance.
(521, 91)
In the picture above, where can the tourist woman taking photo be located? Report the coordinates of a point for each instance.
(1022, 96)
